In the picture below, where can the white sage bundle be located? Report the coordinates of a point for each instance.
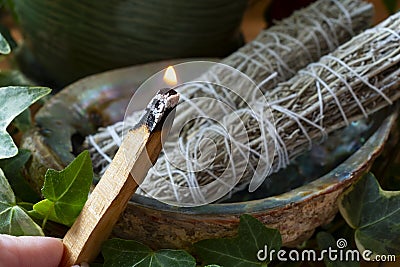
(359, 78)
(274, 56)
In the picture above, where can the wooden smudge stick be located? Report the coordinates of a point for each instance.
(137, 153)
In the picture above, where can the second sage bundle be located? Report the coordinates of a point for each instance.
(359, 78)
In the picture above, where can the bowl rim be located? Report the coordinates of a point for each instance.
(335, 179)
(338, 177)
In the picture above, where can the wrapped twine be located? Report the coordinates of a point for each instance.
(280, 51)
(359, 78)
(274, 56)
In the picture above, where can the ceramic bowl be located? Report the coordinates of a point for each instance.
(300, 201)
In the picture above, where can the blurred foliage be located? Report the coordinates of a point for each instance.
(391, 5)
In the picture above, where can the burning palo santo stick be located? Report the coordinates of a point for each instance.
(137, 153)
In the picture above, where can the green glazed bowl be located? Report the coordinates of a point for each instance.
(72, 39)
(301, 200)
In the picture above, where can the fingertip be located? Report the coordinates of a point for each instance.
(55, 244)
(50, 250)
(30, 251)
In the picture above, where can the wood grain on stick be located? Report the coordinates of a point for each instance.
(138, 152)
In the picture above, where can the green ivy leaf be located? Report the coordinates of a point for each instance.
(14, 100)
(12, 168)
(242, 250)
(4, 46)
(66, 191)
(126, 253)
(14, 77)
(374, 213)
(13, 219)
(326, 241)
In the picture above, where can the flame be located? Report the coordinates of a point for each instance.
(170, 76)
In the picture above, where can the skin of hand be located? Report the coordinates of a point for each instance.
(32, 251)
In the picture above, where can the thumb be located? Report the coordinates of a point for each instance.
(32, 251)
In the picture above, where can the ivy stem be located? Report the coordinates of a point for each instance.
(25, 203)
(45, 221)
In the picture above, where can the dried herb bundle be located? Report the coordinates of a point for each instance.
(359, 78)
(274, 56)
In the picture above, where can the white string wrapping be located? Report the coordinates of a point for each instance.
(274, 56)
(359, 78)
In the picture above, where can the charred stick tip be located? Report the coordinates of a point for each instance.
(158, 109)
